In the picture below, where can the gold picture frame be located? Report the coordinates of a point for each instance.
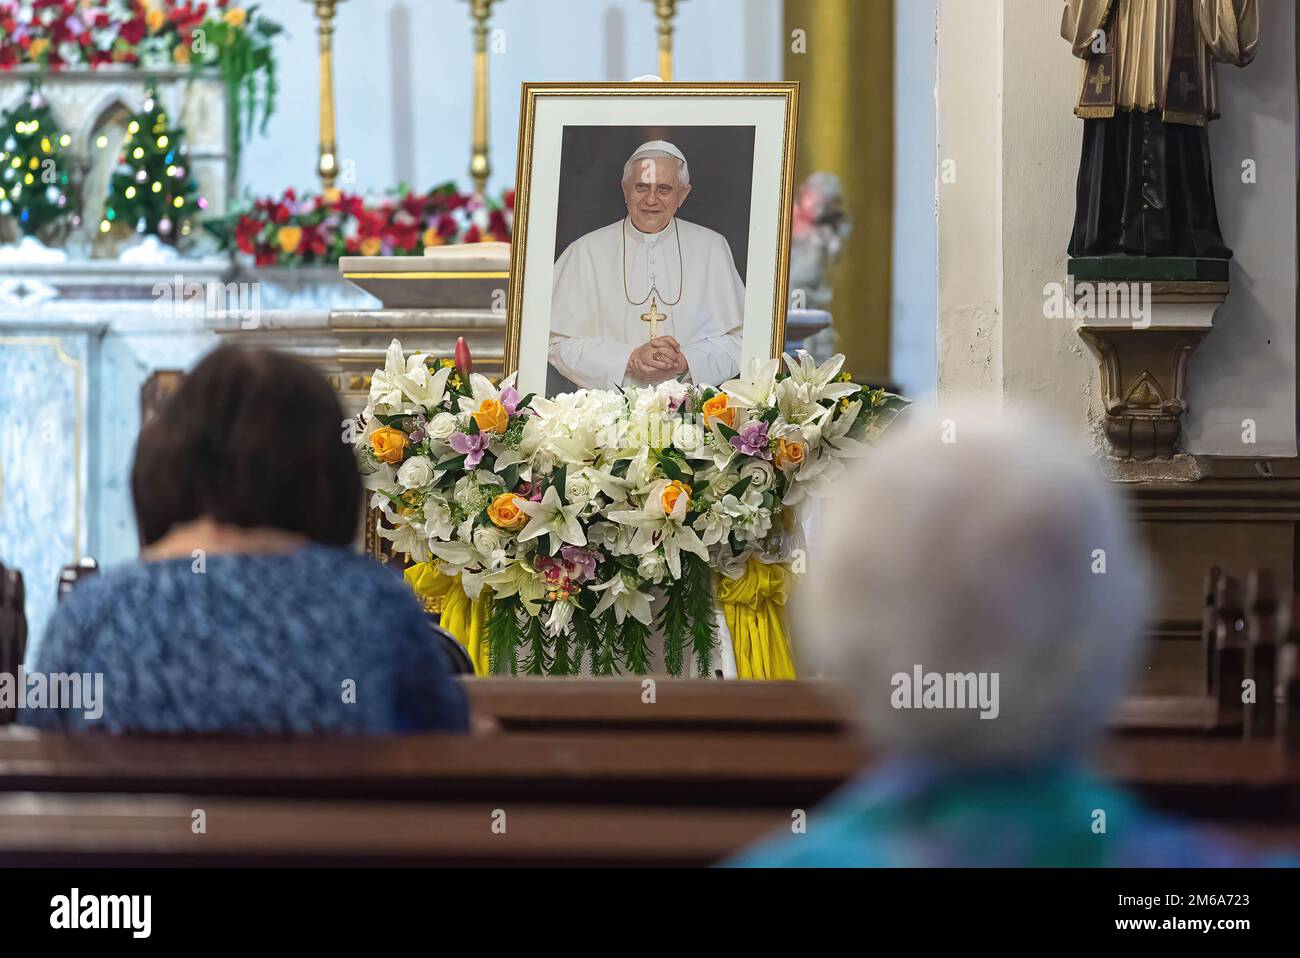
(535, 93)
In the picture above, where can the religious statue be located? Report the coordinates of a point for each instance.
(651, 297)
(1149, 90)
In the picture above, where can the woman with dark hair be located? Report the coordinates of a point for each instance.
(250, 611)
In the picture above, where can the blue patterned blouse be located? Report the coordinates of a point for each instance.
(318, 640)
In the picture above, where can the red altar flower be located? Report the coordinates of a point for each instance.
(288, 230)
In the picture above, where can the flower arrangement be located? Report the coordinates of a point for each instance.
(236, 40)
(594, 517)
(289, 231)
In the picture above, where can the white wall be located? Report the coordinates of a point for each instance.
(1007, 84)
(1246, 368)
(914, 364)
(403, 73)
(969, 199)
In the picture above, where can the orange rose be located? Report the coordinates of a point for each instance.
(789, 455)
(371, 245)
(672, 492)
(492, 416)
(154, 20)
(717, 408)
(236, 17)
(181, 54)
(505, 512)
(388, 444)
(289, 238)
(432, 237)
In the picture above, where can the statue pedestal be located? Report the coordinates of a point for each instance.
(1143, 319)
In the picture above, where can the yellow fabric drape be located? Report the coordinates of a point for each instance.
(751, 606)
(463, 617)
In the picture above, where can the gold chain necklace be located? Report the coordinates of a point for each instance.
(654, 287)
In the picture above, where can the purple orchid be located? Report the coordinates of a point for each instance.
(582, 561)
(471, 447)
(419, 433)
(510, 399)
(752, 440)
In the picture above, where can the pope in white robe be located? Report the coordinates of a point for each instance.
(651, 262)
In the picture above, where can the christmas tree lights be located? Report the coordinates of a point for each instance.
(152, 190)
(33, 174)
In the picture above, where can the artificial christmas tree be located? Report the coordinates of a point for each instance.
(152, 191)
(33, 173)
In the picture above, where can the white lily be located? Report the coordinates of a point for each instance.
(552, 518)
(437, 518)
(819, 380)
(755, 388)
(656, 528)
(518, 578)
(407, 538)
(625, 600)
(561, 615)
(826, 454)
(406, 384)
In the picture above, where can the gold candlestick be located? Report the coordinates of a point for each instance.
(480, 167)
(665, 10)
(328, 167)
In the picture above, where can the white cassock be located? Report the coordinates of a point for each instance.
(594, 328)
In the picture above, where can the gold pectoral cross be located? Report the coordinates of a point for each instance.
(654, 318)
(1100, 80)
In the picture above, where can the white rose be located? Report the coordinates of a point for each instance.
(416, 473)
(761, 475)
(488, 539)
(578, 487)
(688, 436)
(722, 483)
(652, 566)
(441, 426)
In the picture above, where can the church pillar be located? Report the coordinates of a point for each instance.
(842, 54)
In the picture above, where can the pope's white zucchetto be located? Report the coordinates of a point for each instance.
(658, 148)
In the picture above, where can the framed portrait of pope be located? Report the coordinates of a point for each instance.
(652, 232)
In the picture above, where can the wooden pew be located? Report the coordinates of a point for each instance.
(102, 800)
(1260, 716)
(636, 767)
(617, 705)
(71, 575)
(805, 707)
(715, 770)
(122, 830)
(13, 628)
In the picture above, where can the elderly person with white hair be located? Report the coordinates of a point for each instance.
(995, 626)
(651, 297)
